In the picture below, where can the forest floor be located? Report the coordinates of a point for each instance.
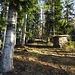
(43, 59)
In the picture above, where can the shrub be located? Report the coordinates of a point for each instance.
(70, 46)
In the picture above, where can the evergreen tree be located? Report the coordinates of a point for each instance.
(53, 16)
(68, 13)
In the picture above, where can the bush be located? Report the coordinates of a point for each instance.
(70, 46)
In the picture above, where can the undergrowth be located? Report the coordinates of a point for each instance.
(70, 46)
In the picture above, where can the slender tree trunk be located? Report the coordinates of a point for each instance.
(5, 27)
(24, 31)
(8, 49)
(53, 18)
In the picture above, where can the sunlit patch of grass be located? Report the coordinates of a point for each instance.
(70, 46)
(50, 43)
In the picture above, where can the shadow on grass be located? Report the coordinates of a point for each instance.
(26, 67)
(41, 46)
(60, 60)
(29, 67)
(37, 41)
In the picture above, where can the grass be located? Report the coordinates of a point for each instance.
(70, 46)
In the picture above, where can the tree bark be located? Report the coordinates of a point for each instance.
(24, 31)
(8, 49)
(7, 55)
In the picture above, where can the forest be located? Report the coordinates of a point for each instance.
(37, 37)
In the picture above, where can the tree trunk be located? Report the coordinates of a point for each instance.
(8, 49)
(24, 31)
(7, 56)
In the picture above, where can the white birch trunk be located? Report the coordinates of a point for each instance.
(24, 31)
(7, 56)
(8, 49)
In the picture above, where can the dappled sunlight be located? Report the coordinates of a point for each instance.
(55, 52)
(48, 57)
(40, 60)
(43, 61)
(33, 66)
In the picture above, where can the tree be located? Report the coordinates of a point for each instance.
(68, 13)
(31, 15)
(32, 22)
(59, 17)
(24, 31)
(7, 54)
(8, 51)
(53, 16)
